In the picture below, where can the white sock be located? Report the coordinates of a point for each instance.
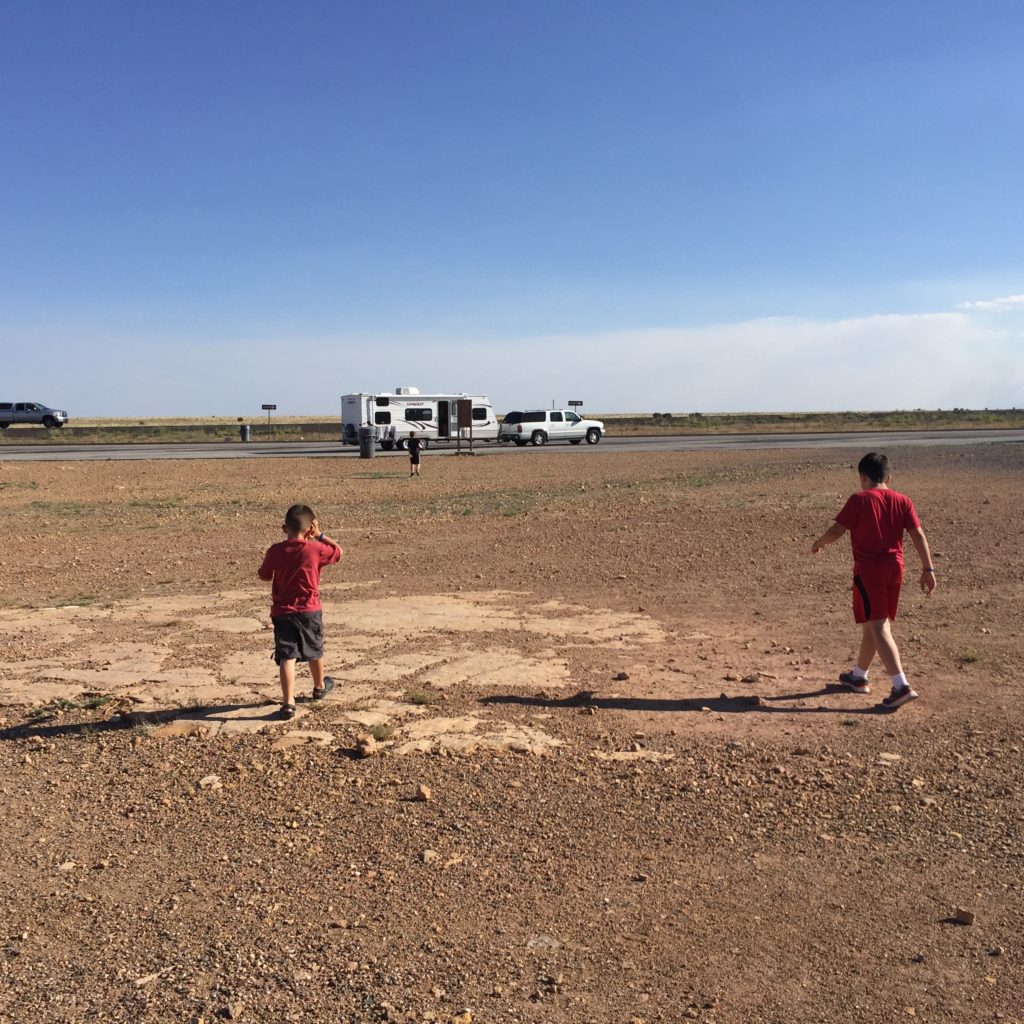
(899, 681)
(858, 673)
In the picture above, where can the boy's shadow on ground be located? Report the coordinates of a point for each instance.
(263, 713)
(744, 703)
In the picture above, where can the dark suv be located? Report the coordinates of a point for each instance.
(31, 412)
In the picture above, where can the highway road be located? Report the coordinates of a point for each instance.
(14, 452)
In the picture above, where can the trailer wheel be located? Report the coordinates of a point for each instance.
(387, 445)
(520, 443)
(401, 444)
(539, 438)
(575, 440)
(593, 435)
(424, 444)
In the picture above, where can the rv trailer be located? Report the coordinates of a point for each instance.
(395, 415)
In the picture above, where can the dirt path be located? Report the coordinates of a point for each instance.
(608, 778)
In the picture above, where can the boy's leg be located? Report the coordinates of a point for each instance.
(888, 652)
(867, 648)
(856, 678)
(287, 672)
(890, 655)
(316, 670)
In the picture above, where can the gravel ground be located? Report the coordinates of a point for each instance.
(719, 836)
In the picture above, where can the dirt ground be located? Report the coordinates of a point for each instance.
(608, 779)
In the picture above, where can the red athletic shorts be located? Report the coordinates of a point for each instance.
(876, 592)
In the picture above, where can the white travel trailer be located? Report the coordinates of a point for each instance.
(395, 415)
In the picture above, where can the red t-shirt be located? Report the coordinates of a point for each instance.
(876, 519)
(294, 566)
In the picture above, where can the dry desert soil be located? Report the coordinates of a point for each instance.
(584, 761)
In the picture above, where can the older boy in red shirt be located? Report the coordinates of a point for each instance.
(294, 567)
(877, 517)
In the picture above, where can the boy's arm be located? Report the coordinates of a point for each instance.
(920, 542)
(336, 553)
(315, 533)
(830, 536)
(264, 571)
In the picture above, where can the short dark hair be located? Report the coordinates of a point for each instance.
(875, 467)
(298, 519)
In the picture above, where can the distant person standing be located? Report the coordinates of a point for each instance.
(415, 447)
(876, 518)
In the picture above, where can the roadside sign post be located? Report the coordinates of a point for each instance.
(576, 404)
(268, 409)
(464, 409)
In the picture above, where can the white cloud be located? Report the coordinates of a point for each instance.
(937, 360)
(1001, 305)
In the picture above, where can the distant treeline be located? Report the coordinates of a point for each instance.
(113, 431)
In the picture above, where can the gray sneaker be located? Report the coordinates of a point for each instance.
(899, 697)
(851, 682)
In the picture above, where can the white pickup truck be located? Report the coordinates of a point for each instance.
(539, 426)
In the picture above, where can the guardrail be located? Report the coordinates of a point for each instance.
(171, 433)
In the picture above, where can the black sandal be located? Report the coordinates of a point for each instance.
(324, 690)
(287, 712)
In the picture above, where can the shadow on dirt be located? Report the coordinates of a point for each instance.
(198, 716)
(723, 703)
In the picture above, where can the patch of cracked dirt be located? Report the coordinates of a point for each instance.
(446, 631)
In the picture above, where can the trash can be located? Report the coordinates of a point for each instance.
(245, 432)
(367, 442)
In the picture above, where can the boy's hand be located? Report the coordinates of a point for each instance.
(928, 583)
(314, 530)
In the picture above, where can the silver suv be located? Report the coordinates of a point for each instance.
(539, 426)
(31, 412)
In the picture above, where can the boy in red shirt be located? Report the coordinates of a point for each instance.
(876, 517)
(294, 567)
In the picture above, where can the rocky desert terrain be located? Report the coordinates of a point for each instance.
(584, 761)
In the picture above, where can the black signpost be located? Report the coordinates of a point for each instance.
(464, 411)
(269, 409)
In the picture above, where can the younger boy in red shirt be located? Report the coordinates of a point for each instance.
(876, 517)
(294, 567)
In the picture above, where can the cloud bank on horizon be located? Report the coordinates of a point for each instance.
(960, 358)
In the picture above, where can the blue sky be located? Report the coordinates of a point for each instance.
(652, 205)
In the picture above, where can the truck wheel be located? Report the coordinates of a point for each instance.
(49, 422)
(593, 435)
(539, 438)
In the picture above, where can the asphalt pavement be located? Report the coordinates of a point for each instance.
(12, 451)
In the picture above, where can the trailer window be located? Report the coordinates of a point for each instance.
(381, 417)
(381, 402)
(480, 413)
(419, 414)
